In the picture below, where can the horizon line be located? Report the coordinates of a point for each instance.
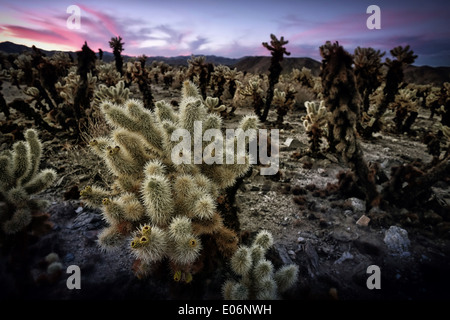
(196, 55)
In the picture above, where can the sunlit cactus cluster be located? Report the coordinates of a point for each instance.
(315, 123)
(163, 207)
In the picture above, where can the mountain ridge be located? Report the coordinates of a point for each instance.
(258, 64)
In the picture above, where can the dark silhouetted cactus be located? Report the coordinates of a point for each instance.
(368, 74)
(139, 74)
(343, 101)
(394, 77)
(277, 50)
(117, 45)
(202, 70)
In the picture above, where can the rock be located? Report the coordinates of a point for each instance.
(345, 256)
(358, 205)
(300, 240)
(348, 212)
(363, 221)
(369, 245)
(342, 235)
(313, 259)
(285, 255)
(397, 241)
(292, 144)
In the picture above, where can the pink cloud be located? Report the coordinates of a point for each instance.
(106, 20)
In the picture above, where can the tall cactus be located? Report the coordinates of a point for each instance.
(343, 101)
(403, 56)
(117, 45)
(277, 50)
(367, 72)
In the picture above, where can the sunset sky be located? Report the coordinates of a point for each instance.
(230, 28)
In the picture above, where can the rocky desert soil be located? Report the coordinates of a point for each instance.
(317, 231)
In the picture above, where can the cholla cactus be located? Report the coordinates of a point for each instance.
(253, 89)
(68, 86)
(25, 63)
(315, 123)
(164, 206)
(213, 105)
(394, 77)
(218, 80)
(303, 76)
(116, 94)
(283, 101)
(108, 74)
(17, 76)
(432, 100)
(258, 279)
(277, 50)
(343, 101)
(406, 106)
(367, 72)
(117, 45)
(232, 76)
(20, 179)
(198, 68)
(140, 75)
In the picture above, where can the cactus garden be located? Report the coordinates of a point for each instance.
(126, 169)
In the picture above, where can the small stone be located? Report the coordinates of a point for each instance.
(397, 241)
(358, 205)
(79, 210)
(300, 240)
(363, 221)
(288, 142)
(293, 144)
(345, 256)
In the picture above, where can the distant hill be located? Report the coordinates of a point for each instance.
(427, 75)
(260, 64)
(412, 74)
(10, 47)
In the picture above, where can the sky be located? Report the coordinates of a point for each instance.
(230, 28)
